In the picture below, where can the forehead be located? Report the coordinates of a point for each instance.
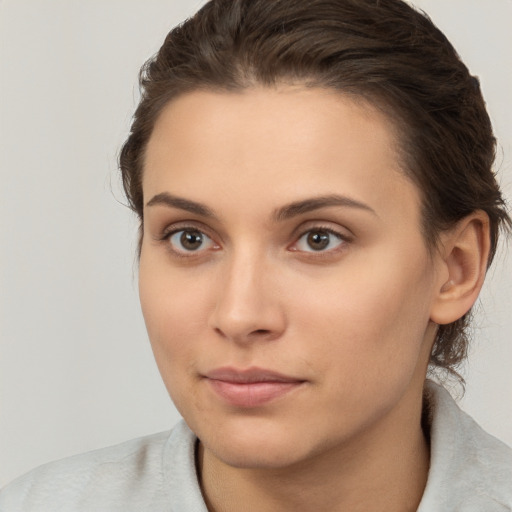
(275, 145)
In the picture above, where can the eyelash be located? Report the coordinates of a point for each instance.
(183, 253)
(342, 238)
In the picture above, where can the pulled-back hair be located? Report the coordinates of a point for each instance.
(382, 51)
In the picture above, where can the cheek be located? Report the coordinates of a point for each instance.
(174, 311)
(364, 340)
(372, 316)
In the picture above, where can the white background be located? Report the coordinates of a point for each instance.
(76, 369)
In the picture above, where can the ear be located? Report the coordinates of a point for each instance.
(463, 257)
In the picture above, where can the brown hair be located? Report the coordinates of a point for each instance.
(383, 51)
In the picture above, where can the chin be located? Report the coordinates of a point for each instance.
(256, 444)
(267, 455)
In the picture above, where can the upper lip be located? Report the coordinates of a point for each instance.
(248, 375)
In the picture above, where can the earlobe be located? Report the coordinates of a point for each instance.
(463, 256)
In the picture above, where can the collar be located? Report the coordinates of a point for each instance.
(470, 470)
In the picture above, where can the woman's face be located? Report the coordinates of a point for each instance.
(284, 280)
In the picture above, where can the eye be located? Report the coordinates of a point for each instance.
(190, 241)
(319, 240)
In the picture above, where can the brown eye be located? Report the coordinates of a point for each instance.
(190, 240)
(319, 240)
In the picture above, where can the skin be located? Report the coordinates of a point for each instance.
(354, 321)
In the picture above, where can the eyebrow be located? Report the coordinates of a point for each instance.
(315, 203)
(181, 203)
(286, 212)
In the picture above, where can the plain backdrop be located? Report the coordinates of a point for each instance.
(76, 369)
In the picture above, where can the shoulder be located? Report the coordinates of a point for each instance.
(470, 470)
(128, 476)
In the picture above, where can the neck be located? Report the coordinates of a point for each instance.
(384, 469)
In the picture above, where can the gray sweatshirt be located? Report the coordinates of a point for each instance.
(471, 471)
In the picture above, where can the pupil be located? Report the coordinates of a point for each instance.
(318, 240)
(191, 240)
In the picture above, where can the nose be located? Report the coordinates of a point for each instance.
(247, 301)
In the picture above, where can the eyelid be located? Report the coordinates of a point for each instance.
(184, 225)
(177, 227)
(311, 227)
(322, 225)
(342, 233)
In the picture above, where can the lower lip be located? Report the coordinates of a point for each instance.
(251, 394)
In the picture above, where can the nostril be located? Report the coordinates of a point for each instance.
(257, 333)
(261, 332)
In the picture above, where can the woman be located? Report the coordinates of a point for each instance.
(318, 211)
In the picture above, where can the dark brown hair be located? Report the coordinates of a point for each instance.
(382, 51)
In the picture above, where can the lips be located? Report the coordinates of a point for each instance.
(251, 387)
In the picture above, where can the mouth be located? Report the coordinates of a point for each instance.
(252, 387)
